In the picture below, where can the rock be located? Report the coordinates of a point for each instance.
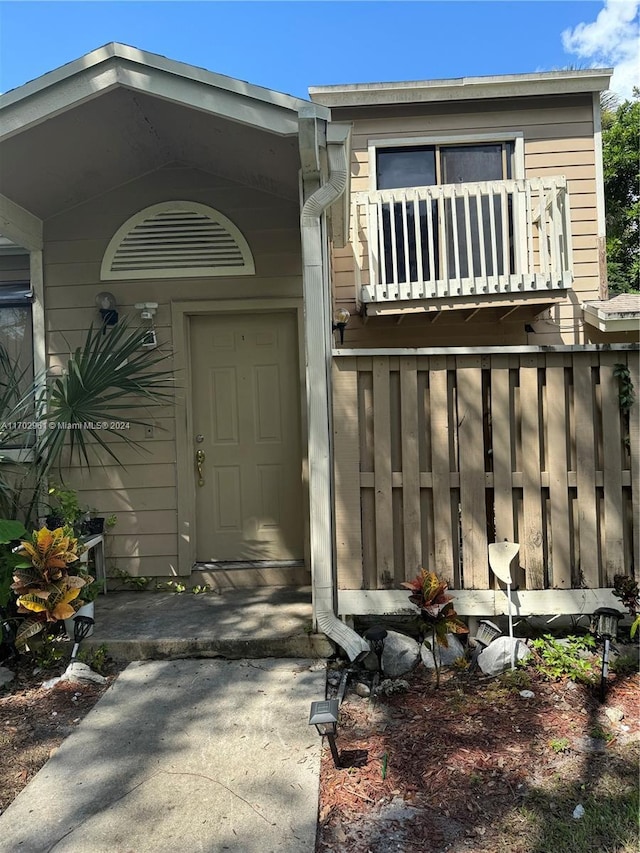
(6, 676)
(578, 812)
(400, 655)
(79, 672)
(363, 690)
(370, 662)
(527, 694)
(497, 657)
(445, 656)
(614, 714)
(334, 678)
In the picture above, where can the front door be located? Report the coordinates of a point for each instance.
(246, 421)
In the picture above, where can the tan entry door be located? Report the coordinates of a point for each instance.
(246, 419)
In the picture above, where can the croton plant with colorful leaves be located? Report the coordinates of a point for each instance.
(46, 591)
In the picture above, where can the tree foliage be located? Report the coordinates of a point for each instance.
(621, 156)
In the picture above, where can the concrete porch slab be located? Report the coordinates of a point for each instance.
(257, 623)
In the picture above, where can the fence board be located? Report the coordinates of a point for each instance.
(531, 539)
(584, 415)
(440, 466)
(347, 475)
(472, 479)
(501, 446)
(382, 472)
(410, 467)
(612, 438)
(557, 427)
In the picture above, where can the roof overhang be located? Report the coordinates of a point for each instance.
(120, 65)
(620, 314)
(462, 88)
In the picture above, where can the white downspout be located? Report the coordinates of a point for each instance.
(318, 364)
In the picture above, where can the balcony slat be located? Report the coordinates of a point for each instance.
(488, 237)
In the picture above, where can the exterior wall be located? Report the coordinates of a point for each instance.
(143, 495)
(558, 140)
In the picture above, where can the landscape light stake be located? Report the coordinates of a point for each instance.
(501, 555)
(81, 627)
(606, 627)
(324, 716)
(376, 636)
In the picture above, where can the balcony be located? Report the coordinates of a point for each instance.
(460, 244)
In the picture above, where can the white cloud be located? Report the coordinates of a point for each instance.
(612, 39)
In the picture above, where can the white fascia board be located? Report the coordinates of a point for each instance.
(462, 88)
(609, 321)
(117, 64)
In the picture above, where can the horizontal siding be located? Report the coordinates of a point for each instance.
(143, 494)
(558, 140)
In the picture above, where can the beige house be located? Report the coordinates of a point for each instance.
(460, 223)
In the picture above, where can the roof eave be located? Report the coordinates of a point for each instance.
(120, 65)
(462, 88)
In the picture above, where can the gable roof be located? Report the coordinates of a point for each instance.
(116, 65)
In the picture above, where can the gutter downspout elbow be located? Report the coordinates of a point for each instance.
(317, 375)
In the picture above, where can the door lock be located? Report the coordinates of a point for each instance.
(200, 456)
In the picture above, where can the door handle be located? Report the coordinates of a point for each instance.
(200, 456)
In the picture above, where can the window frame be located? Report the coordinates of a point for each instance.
(444, 139)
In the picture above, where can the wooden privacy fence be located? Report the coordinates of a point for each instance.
(440, 452)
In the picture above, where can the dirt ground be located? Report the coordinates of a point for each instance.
(470, 766)
(34, 721)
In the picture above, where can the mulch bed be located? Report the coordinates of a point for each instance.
(444, 765)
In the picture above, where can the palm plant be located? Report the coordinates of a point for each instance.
(17, 395)
(428, 593)
(104, 381)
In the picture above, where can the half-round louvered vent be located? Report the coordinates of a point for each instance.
(177, 240)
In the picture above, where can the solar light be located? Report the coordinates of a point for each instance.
(81, 627)
(324, 716)
(606, 626)
(487, 632)
(376, 636)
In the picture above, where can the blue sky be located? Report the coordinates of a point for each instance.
(288, 46)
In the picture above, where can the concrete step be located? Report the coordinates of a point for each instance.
(256, 623)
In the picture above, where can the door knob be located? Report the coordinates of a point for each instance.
(199, 462)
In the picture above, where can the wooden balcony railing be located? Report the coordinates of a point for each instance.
(461, 240)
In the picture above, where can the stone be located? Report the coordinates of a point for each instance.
(6, 676)
(527, 694)
(445, 656)
(363, 690)
(401, 654)
(496, 658)
(79, 672)
(614, 714)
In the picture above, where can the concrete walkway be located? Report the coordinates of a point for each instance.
(186, 755)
